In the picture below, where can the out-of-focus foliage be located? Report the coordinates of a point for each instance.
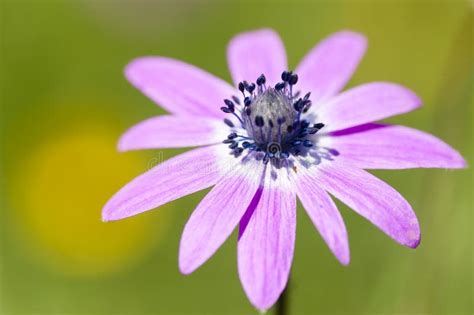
(65, 102)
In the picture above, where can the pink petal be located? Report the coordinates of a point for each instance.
(177, 177)
(178, 87)
(254, 53)
(265, 248)
(394, 147)
(324, 214)
(371, 198)
(218, 214)
(366, 103)
(173, 132)
(328, 67)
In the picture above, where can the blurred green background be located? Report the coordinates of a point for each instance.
(65, 102)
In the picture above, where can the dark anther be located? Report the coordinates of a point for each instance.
(261, 80)
(284, 155)
(241, 87)
(233, 145)
(228, 123)
(333, 151)
(247, 101)
(233, 135)
(307, 106)
(306, 97)
(293, 79)
(312, 131)
(289, 129)
(229, 103)
(227, 110)
(285, 75)
(307, 143)
(248, 111)
(298, 105)
(279, 86)
(238, 150)
(315, 128)
(259, 121)
(297, 142)
(281, 120)
(251, 88)
(318, 125)
(228, 141)
(270, 123)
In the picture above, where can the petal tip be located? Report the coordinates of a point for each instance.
(106, 217)
(458, 161)
(110, 213)
(122, 144)
(130, 69)
(184, 270)
(353, 35)
(413, 237)
(185, 267)
(414, 244)
(258, 31)
(186, 264)
(403, 92)
(133, 70)
(345, 261)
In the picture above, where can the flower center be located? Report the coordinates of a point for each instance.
(272, 119)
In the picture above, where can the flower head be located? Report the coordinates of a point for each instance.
(275, 136)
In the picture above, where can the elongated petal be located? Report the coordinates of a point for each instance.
(254, 53)
(177, 177)
(173, 132)
(324, 214)
(265, 248)
(328, 67)
(218, 214)
(373, 199)
(178, 87)
(394, 147)
(366, 103)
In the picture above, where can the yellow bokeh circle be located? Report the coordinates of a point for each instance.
(57, 196)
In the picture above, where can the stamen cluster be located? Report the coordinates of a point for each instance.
(272, 118)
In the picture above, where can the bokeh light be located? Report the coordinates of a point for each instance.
(58, 191)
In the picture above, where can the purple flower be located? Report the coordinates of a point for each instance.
(275, 136)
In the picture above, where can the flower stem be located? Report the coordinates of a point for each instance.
(282, 305)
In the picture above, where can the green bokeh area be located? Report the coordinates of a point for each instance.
(61, 70)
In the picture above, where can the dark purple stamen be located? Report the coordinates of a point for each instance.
(247, 101)
(259, 121)
(261, 80)
(279, 86)
(241, 87)
(293, 79)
